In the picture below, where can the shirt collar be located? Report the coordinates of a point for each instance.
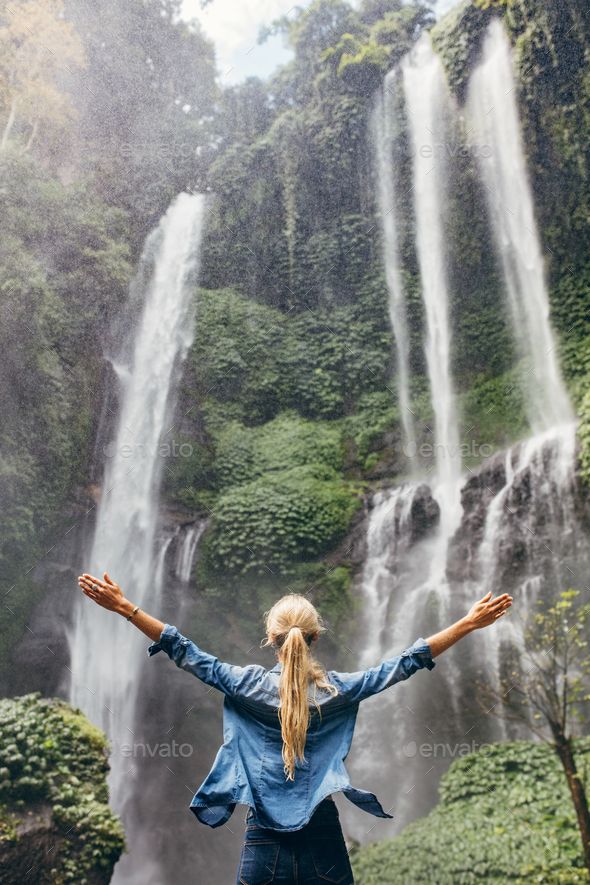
(277, 668)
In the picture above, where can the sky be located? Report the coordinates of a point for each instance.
(233, 25)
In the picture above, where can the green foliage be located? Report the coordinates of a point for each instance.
(337, 355)
(189, 476)
(494, 412)
(50, 752)
(361, 61)
(64, 267)
(283, 517)
(505, 815)
(363, 65)
(145, 104)
(244, 453)
(570, 299)
(376, 416)
(317, 362)
(293, 225)
(457, 39)
(552, 69)
(557, 686)
(487, 4)
(235, 353)
(584, 436)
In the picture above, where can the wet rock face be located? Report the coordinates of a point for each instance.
(525, 519)
(36, 846)
(477, 494)
(410, 525)
(40, 656)
(34, 838)
(424, 514)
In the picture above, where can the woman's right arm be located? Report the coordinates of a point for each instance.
(365, 683)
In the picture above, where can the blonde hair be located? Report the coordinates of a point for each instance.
(291, 624)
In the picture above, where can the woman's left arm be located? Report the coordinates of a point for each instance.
(109, 595)
(483, 613)
(228, 678)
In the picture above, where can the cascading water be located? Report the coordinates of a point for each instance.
(519, 527)
(388, 537)
(428, 109)
(404, 580)
(383, 119)
(187, 549)
(106, 653)
(493, 112)
(544, 528)
(548, 458)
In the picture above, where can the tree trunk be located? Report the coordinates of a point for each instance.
(34, 129)
(563, 748)
(9, 125)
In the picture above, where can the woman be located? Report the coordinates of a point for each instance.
(287, 732)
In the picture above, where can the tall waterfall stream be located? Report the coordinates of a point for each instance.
(415, 580)
(107, 656)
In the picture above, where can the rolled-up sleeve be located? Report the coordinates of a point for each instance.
(365, 683)
(206, 667)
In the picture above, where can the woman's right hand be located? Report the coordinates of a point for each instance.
(488, 610)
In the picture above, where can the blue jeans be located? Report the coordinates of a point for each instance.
(314, 855)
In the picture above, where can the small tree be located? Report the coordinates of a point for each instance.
(37, 46)
(551, 692)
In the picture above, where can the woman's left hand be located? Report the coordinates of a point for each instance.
(105, 593)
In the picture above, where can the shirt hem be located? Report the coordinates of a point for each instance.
(370, 800)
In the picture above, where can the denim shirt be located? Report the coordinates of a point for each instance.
(248, 768)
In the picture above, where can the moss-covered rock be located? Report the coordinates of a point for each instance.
(284, 517)
(457, 38)
(55, 822)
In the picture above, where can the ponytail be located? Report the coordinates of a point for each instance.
(291, 624)
(294, 704)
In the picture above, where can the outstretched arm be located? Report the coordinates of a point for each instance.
(186, 654)
(109, 595)
(481, 614)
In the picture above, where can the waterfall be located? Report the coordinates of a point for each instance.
(547, 460)
(186, 551)
(388, 536)
(544, 465)
(428, 109)
(383, 127)
(493, 113)
(512, 524)
(107, 654)
(404, 583)
(401, 601)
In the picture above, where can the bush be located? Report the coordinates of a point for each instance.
(504, 815)
(283, 517)
(244, 453)
(51, 752)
